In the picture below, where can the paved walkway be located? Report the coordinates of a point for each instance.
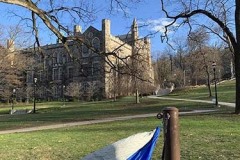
(55, 126)
(191, 100)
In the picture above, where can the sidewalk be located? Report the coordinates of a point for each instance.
(191, 100)
(55, 126)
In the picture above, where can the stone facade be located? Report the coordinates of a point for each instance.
(101, 59)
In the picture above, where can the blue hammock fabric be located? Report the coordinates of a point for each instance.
(145, 153)
(136, 147)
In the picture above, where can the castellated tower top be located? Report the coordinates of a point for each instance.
(106, 27)
(77, 30)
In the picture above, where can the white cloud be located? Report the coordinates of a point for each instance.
(158, 28)
(158, 25)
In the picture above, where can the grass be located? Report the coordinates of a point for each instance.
(56, 113)
(210, 137)
(201, 137)
(226, 92)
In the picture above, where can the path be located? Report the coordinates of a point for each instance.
(55, 126)
(191, 100)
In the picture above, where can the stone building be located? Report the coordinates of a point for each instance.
(104, 65)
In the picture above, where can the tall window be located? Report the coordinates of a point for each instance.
(60, 73)
(49, 61)
(85, 49)
(55, 74)
(60, 58)
(96, 68)
(54, 58)
(41, 75)
(70, 72)
(29, 76)
(96, 43)
(64, 59)
(87, 69)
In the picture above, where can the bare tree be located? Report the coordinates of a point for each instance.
(185, 12)
(197, 41)
(12, 67)
(53, 15)
(74, 90)
(93, 88)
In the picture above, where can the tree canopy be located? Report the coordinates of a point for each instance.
(224, 21)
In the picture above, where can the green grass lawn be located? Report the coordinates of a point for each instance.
(226, 92)
(201, 136)
(71, 112)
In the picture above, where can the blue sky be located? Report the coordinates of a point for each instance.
(145, 12)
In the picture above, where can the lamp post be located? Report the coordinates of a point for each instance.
(34, 95)
(215, 83)
(13, 93)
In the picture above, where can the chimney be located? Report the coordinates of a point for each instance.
(106, 27)
(10, 45)
(77, 30)
(106, 34)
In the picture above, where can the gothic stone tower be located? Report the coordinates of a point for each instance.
(141, 52)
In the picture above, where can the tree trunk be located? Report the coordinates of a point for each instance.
(208, 84)
(237, 56)
(137, 96)
(237, 74)
(136, 91)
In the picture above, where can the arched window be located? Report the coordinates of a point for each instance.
(64, 59)
(85, 50)
(54, 58)
(60, 57)
(96, 43)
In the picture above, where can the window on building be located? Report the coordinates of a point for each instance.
(60, 58)
(78, 50)
(85, 49)
(96, 68)
(54, 58)
(41, 75)
(55, 74)
(96, 43)
(87, 69)
(29, 76)
(50, 61)
(70, 72)
(64, 59)
(60, 73)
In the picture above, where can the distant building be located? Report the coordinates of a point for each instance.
(103, 64)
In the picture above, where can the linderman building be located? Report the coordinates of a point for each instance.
(98, 65)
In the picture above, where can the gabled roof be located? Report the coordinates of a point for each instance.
(90, 29)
